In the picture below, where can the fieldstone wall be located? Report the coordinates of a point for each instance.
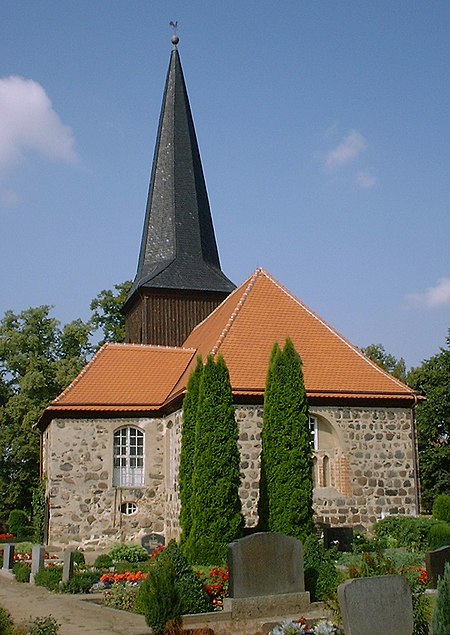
(84, 507)
(364, 469)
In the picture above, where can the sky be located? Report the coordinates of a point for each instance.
(324, 130)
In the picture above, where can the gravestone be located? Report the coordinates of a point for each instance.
(265, 564)
(67, 565)
(435, 563)
(150, 542)
(37, 559)
(266, 576)
(376, 606)
(8, 556)
(339, 537)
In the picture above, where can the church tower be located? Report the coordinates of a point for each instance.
(179, 280)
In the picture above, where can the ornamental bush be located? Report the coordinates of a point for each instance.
(286, 492)
(49, 578)
(321, 576)
(104, 561)
(128, 552)
(216, 507)
(17, 522)
(439, 535)
(158, 597)
(411, 532)
(441, 508)
(79, 582)
(22, 571)
(6, 626)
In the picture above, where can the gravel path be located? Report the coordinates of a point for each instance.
(25, 602)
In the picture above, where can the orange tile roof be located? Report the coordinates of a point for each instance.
(125, 377)
(134, 378)
(260, 312)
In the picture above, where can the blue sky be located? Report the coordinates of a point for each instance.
(324, 129)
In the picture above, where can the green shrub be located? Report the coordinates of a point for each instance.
(49, 578)
(78, 557)
(6, 626)
(44, 626)
(159, 599)
(22, 571)
(104, 561)
(80, 582)
(321, 576)
(439, 535)
(440, 621)
(17, 521)
(441, 508)
(410, 532)
(128, 552)
(193, 597)
(120, 596)
(123, 566)
(23, 547)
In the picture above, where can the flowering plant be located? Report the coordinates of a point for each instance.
(6, 536)
(129, 577)
(300, 627)
(216, 586)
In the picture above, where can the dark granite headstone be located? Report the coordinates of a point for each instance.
(150, 542)
(372, 606)
(340, 538)
(435, 563)
(265, 564)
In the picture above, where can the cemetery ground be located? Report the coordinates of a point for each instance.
(401, 547)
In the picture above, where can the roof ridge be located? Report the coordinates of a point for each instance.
(147, 346)
(332, 330)
(237, 309)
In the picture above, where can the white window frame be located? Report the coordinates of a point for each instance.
(128, 457)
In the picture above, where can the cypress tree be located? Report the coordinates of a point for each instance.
(286, 457)
(186, 469)
(216, 508)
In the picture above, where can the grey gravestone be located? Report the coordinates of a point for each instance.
(37, 559)
(339, 537)
(265, 564)
(67, 565)
(376, 606)
(435, 563)
(8, 556)
(150, 542)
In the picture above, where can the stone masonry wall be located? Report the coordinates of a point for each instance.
(364, 469)
(369, 458)
(84, 506)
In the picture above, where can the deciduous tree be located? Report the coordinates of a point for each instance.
(392, 365)
(432, 380)
(106, 313)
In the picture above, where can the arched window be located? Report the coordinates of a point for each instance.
(128, 453)
(326, 471)
(313, 429)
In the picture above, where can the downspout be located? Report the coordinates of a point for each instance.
(415, 456)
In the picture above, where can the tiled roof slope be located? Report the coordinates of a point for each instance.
(260, 312)
(123, 377)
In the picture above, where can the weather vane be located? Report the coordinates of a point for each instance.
(175, 38)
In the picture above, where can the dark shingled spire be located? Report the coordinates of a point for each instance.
(178, 249)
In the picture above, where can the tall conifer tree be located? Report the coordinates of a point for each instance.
(216, 508)
(186, 471)
(286, 458)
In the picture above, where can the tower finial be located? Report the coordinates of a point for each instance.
(175, 39)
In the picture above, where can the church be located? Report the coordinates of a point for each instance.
(111, 441)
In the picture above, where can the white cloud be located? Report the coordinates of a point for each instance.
(346, 151)
(28, 122)
(433, 297)
(366, 179)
